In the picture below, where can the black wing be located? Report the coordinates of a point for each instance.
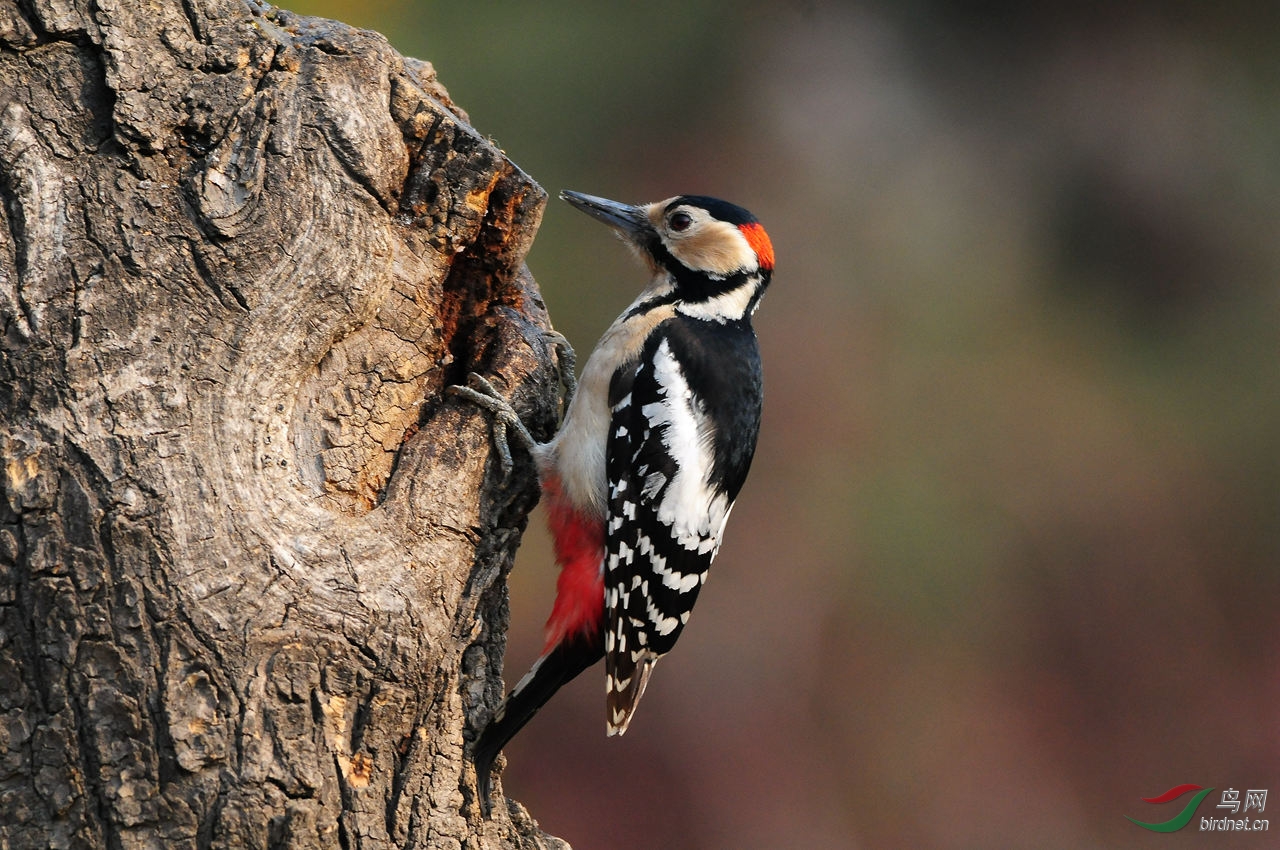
(682, 434)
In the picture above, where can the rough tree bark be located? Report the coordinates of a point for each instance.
(251, 556)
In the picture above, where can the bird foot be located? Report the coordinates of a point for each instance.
(505, 420)
(566, 365)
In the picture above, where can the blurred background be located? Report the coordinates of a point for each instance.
(1009, 558)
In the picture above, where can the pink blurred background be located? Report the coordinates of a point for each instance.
(1008, 558)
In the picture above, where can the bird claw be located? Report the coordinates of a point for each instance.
(566, 364)
(505, 420)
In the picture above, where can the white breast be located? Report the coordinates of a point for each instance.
(576, 455)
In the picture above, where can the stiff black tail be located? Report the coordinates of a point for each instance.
(567, 659)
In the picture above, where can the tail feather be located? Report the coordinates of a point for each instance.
(627, 677)
(555, 668)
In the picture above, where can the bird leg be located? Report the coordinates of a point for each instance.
(505, 419)
(566, 365)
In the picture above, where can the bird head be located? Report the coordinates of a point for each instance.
(703, 247)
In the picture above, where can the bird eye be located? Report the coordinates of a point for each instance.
(680, 221)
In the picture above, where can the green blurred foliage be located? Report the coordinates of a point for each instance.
(1007, 561)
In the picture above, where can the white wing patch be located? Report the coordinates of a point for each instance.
(693, 509)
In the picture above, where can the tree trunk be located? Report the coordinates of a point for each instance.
(251, 556)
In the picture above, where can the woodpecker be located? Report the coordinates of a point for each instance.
(654, 446)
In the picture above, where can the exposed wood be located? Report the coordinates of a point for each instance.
(251, 557)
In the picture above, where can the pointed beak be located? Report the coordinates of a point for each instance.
(629, 221)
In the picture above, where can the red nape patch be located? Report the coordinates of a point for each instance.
(759, 242)
(579, 544)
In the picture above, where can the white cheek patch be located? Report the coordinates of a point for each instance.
(717, 248)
